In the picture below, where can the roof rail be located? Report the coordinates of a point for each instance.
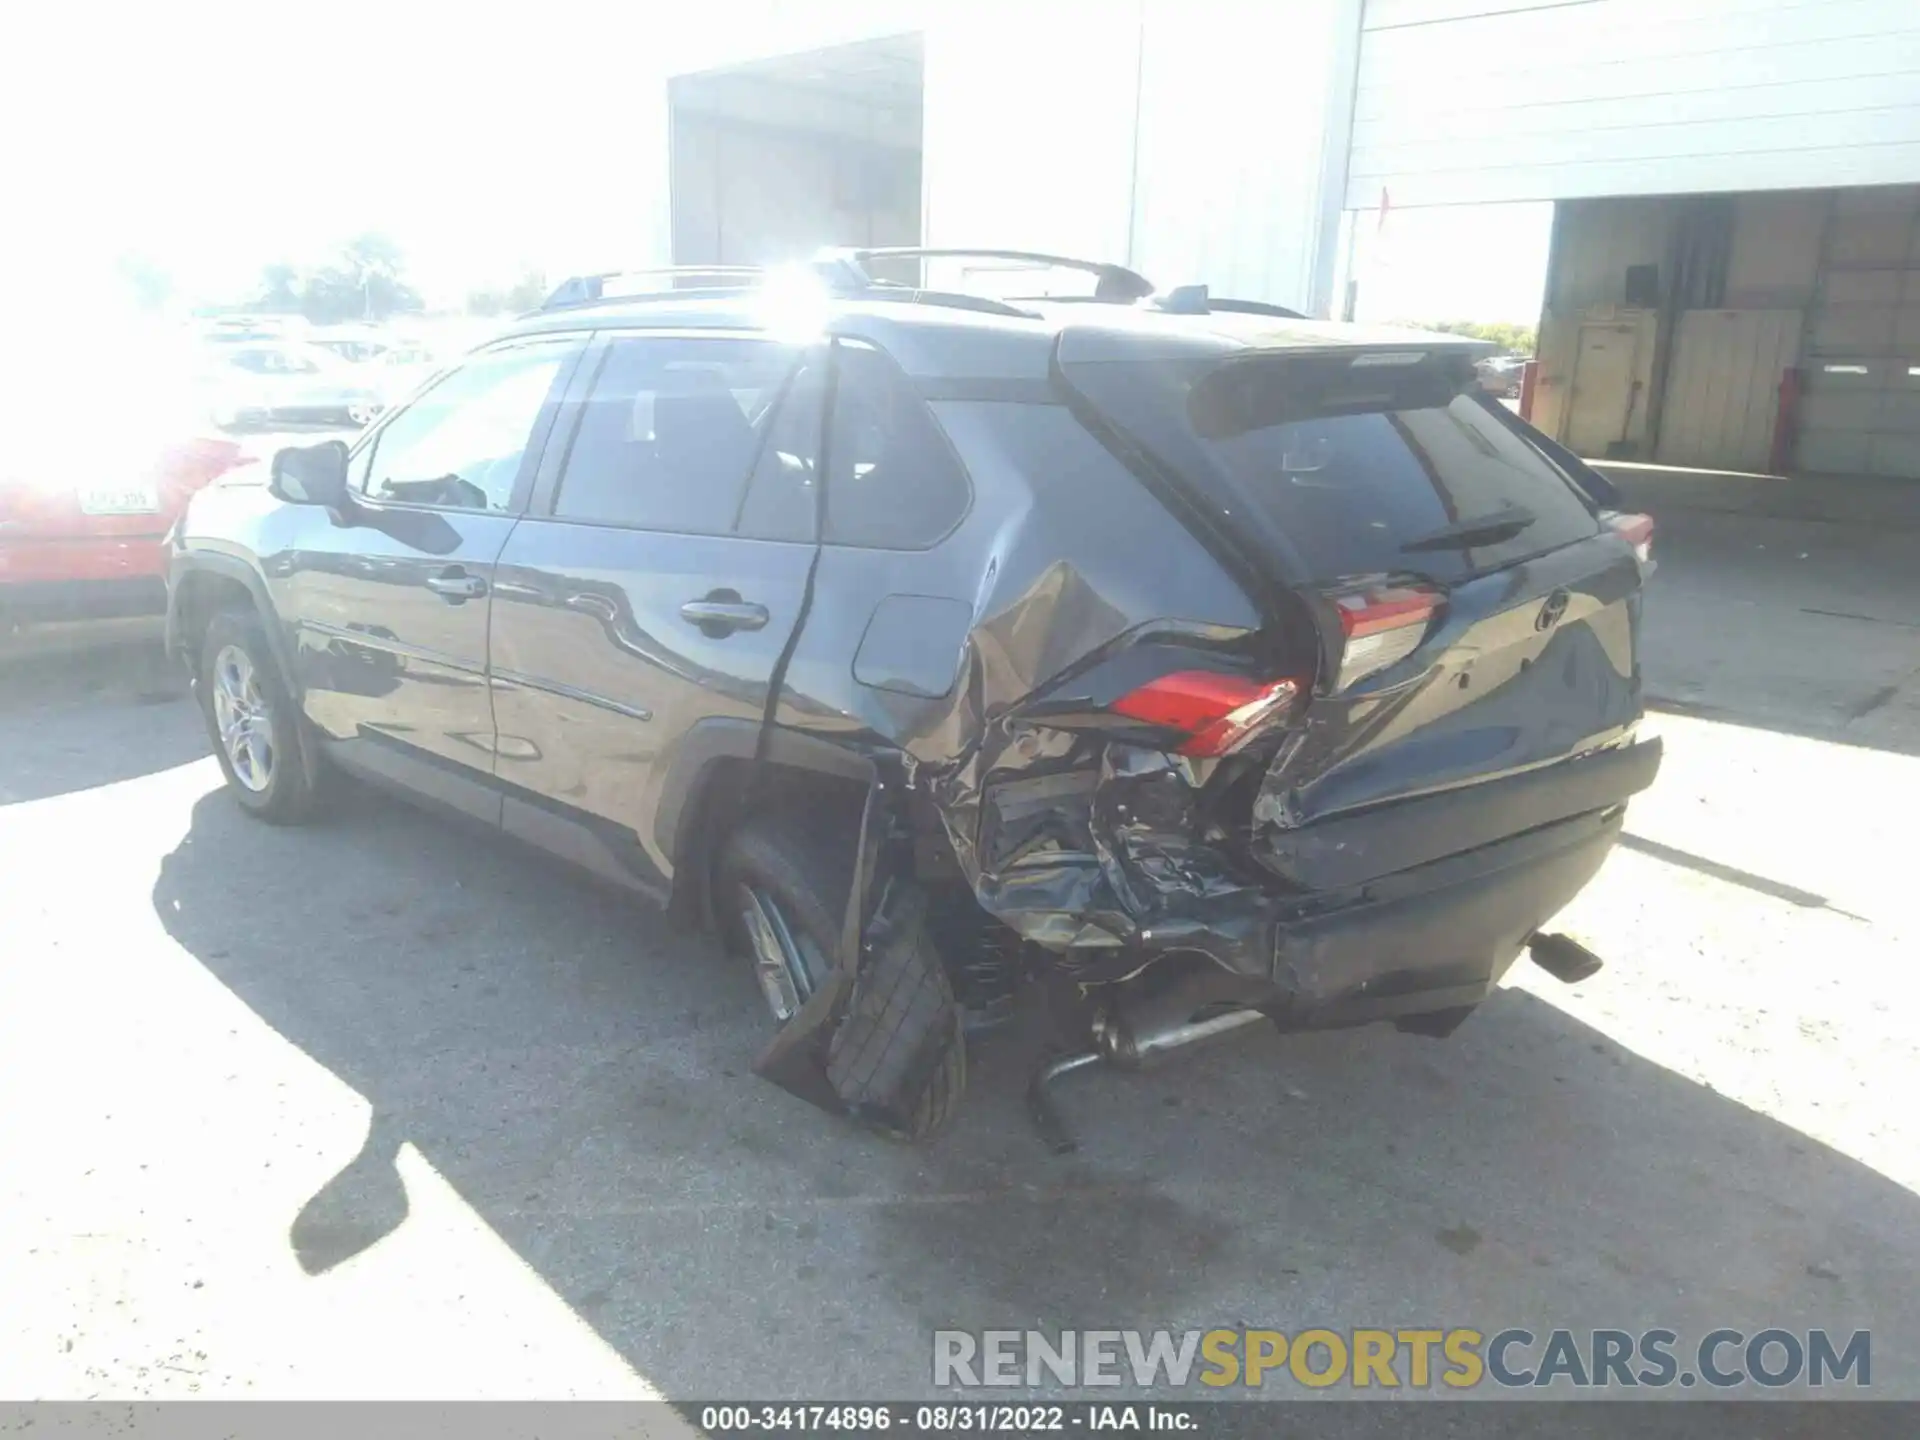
(834, 268)
(590, 289)
(844, 271)
(1115, 283)
(1253, 307)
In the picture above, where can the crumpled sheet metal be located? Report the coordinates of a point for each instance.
(1086, 847)
(1091, 848)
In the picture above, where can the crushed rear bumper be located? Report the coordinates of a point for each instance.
(1437, 937)
(1408, 908)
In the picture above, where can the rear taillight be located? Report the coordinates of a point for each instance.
(1636, 530)
(1380, 626)
(1218, 713)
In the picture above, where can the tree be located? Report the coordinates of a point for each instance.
(528, 291)
(1512, 339)
(524, 294)
(152, 286)
(280, 288)
(365, 284)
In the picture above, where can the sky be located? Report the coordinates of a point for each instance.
(210, 138)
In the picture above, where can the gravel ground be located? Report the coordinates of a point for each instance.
(388, 1108)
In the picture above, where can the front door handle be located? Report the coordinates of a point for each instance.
(456, 585)
(722, 613)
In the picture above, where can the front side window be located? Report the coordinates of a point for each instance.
(670, 430)
(462, 443)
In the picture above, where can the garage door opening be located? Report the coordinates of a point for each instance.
(1757, 332)
(776, 158)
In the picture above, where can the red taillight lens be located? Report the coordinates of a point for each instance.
(1636, 530)
(1218, 713)
(1380, 626)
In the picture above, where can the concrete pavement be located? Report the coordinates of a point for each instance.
(388, 1108)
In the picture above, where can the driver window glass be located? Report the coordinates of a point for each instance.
(460, 445)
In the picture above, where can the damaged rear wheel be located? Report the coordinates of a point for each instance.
(897, 1057)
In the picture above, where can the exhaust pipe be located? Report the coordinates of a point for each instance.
(1131, 1042)
(1564, 958)
(1135, 1043)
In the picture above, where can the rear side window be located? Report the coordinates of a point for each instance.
(1367, 491)
(896, 483)
(670, 431)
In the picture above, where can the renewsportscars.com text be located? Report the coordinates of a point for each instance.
(1402, 1358)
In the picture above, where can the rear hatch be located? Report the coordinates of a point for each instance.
(1473, 611)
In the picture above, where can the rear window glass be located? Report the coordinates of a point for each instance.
(1351, 492)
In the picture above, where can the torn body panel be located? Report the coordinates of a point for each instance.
(1375, 850)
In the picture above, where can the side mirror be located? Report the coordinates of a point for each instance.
(312, 474)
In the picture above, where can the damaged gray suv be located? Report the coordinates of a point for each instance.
(1180, 661)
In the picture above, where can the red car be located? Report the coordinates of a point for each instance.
(113, 436)
(80, 541)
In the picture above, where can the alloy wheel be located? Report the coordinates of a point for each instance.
(785, 960)
(243, 717)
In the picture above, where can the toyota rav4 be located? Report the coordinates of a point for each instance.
(1182, 662)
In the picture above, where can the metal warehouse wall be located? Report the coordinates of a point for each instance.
(1198, 142)
(1475, 100)
(1823, 281)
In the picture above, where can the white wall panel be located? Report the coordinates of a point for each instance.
(1029, 137)
(1240, 175)
(1461, 102)
(1199, 142)
(1386, 14)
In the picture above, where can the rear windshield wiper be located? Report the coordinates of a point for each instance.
(1479, 530)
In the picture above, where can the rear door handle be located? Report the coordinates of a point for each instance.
(723, 617)
(456, 585)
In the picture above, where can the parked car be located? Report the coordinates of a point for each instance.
(1187, 669)
(357, 344)
(1500, 374)
(84, 507)
(289, 383)
(252, 329)
(403, 368)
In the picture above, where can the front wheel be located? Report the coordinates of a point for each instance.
(269, 764)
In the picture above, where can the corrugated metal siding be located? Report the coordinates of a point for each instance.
(748, 194)
(1594, 243)
(1723, 389)
(1494, 100)
(1861, 414)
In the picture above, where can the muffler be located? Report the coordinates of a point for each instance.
(1132, 1041)
(1564, 958)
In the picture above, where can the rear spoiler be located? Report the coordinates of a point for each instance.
(1259, 388)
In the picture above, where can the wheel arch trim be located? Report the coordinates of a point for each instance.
(232, 568)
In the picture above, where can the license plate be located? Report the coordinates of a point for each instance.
(120, 500)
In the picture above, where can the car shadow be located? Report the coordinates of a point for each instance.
(578, 1069)
(89, 705)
